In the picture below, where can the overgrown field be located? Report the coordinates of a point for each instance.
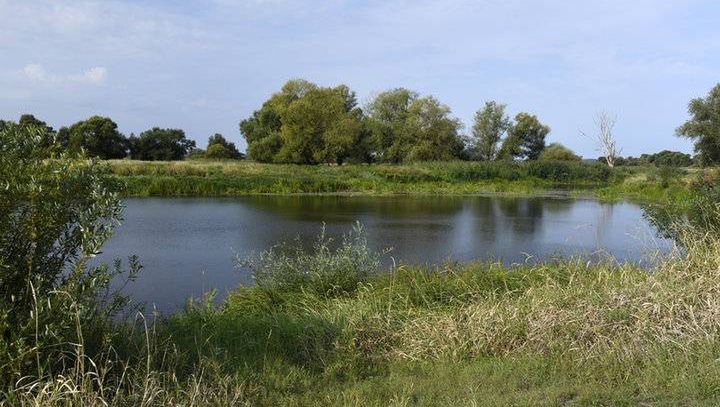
(202, 178)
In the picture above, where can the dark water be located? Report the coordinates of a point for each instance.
(187, 246)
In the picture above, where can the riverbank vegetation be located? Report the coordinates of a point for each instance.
(570, 178)
(331, 326)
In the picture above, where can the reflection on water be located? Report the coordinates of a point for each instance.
(187, 246)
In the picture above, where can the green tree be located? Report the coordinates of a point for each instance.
(526, 138)
(262, 129)
(220, 148)
(558, 152)
(387, 117)
(490, 125)
(704, 126)
(49, 135)
(54, 216)
(98, 136)
(322, 126)
(159, 144)
(431, 133)
(406, 127)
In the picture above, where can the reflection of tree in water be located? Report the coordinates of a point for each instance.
(524, 216)
(603, 225)
(339, 208)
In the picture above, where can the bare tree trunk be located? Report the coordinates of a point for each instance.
(605, 138)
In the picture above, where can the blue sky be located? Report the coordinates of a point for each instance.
(204, 65)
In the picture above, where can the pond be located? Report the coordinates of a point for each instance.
(187, 246)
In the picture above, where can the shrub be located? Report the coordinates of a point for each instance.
(55, 214)
(326, 270)
(558, 152)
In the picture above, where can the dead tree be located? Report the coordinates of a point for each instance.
(604, 137)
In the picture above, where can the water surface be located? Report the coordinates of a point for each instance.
(187, 246)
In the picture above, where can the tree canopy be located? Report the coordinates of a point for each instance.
(704, 126)
(526, 138)
(98, 136)
(489, 127)
(159, 144)
(219, 148)
(558, 152)
(407, 127)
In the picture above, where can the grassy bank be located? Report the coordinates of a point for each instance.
(322, 329)
(202, 178)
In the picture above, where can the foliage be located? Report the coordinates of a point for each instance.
(704, 127)
(97, 136)
(204, 178)
(327, 270)
(409, 128)
(526, 138)
(489, 127)
(308, 124)
(558, 152)
(55, 214)
(387, 114)
(664, 158)
(322, 126)
(159, 144)
(220, 148)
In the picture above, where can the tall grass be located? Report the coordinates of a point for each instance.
(566, 332)
(239, 178)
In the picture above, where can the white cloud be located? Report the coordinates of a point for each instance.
(35, 72)
(94, 76)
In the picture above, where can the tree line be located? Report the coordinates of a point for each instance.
(99, 137)
(304, 123)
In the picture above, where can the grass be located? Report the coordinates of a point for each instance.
(189, 178)
(233, 178)
(561, 333)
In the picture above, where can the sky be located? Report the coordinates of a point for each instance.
(204, 65)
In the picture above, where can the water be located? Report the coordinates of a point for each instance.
(187, 246)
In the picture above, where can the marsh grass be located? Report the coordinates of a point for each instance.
(558, 333)
(193, 178)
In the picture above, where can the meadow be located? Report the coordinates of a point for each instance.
(234, 178)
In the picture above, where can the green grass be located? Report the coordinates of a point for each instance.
(241, 178)
(563, 333)
(231, 178)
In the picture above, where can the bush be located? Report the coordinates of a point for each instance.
(55, 214)
(326, 270)
(558, 152)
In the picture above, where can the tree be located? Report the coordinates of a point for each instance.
(406, 127)
(558, 152)
(98, 136)
(159, 144)
(704, 126)
(526, 138)
(431, 133)
(49, 136)
(605, 138)
(220, 148)
(321, 126)
(387, 117)
(307, 124)
(489, 127)
(262, 129)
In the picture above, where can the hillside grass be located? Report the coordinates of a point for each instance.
(236, 178)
